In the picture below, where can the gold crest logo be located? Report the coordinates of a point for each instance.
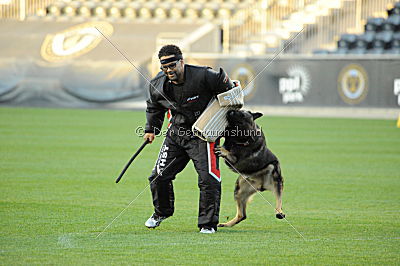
(74, 41)
(353, 84)
(245, 74)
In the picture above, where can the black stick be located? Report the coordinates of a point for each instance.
(131, 160)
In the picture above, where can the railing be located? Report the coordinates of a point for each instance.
(267, 26)
(20, 9)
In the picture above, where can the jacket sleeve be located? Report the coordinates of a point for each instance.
(155, 114)
(218, 82)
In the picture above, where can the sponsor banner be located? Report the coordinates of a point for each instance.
(245, 73)
(74, 41)
(331, 81)
(353, 84)
(296, 86)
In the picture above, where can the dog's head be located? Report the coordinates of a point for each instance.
(242, 119)
(241, 127)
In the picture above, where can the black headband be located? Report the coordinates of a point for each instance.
(171, 59)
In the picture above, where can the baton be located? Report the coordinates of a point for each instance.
(131, 160)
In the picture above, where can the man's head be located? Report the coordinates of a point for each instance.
(172, 62)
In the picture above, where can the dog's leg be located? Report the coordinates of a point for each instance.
(243, 191)
(224, 153)
(278, 190)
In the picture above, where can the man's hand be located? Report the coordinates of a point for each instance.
(149, 136)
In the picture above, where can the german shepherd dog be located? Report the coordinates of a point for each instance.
(246, 153)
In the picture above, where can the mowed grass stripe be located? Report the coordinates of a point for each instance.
(57, 192)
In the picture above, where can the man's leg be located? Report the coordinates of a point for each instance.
(207, 167)
(172, 159)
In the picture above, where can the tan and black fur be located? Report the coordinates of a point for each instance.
(245, 152)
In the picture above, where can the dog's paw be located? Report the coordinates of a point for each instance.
(221, 225)
(221, 151)
(280, 215)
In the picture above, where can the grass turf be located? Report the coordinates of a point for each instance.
(57, 193)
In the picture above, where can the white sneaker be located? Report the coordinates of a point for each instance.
(207, 231)
(154, 221)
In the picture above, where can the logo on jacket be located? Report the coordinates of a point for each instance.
(74, 41)
(296, 86)
(192, 99)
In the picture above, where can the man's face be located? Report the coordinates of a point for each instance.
(173, 70)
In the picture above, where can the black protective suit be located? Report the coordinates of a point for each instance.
(185, 104)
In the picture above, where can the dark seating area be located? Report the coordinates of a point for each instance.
(381, 36)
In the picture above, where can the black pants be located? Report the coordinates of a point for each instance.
(175, 153)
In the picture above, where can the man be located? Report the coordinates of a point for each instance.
(183, 91)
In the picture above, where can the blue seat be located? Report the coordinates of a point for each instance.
(347, 41)
(386, 37)
(368, 37)
(374, 24)
(395, 43)
(393, 51)
(395, 21)
(358, 51)
(378, 47)
(360, 46)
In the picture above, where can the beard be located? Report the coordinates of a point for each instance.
(173, 76)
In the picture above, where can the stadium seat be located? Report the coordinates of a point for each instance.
(224, 13)
(129, 12)
(347, 41)
(378, 47)
(341, 51)
(360, 46)
(387, 26)
(53, 10)
(191, 13)
(160, 13)
(99, 11)
(176, 13)
(207, 13)
(145, 13)
(396, 42)
(374, 24)
(395, 21)
(368, 37)
(84, 11)
(114, 12)
(386, 36)
(395, 45)
(68, 11)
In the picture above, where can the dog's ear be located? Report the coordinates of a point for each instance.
(256, 115)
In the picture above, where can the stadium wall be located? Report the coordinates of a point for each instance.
(330, 81)
(321, 81)
(67, 64)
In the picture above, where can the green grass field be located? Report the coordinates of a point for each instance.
(57, 193)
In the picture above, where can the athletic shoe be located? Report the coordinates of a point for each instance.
(154, 221)
(205, 230)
